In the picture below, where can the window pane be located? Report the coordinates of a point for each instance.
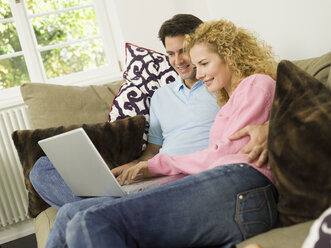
(75, 58)
(13, 72)
(5, 11)
(9, 42)
(41, 6)
(63, 27)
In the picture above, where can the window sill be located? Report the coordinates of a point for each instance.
(11, 97)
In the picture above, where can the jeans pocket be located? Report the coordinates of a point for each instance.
(256, 210)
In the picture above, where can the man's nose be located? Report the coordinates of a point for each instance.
(178, 59)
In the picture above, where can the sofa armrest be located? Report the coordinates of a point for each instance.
(284, 237)
(43, 223)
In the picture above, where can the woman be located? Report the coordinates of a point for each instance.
(232, 64)
(225, 200)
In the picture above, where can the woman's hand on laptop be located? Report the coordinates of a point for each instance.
(139, 171)
(119, 170)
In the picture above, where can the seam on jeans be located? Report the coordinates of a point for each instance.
(85, 231)
(273, 220)
(238, 212)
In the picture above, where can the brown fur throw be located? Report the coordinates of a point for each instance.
(300, 145)
(118, 142)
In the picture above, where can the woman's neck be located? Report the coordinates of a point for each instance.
(235, 81)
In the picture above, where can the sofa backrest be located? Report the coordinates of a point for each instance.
(318, 67)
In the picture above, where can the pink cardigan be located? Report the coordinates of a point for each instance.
(249, 104)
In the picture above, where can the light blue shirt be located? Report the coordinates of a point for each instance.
(180, 118)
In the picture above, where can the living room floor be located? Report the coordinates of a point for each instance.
(25, 242)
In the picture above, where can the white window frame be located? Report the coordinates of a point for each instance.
(110, 33)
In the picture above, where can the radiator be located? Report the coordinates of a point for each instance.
(13, 195)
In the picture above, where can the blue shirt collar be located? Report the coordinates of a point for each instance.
(180, 84)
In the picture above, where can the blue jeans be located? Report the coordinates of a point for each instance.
(49, 184)
(56, 237)
(219, 207)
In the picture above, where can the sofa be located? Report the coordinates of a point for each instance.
(54, 109)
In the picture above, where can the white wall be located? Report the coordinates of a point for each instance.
(296, 29)
(140, 20)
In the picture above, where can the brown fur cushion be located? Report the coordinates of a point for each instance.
(118, 142)
(300, 145)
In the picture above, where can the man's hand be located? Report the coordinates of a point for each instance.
(257, 146)
(138, 171)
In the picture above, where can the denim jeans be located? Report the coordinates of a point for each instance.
(56, 237)
(49, 184)
(219, 207)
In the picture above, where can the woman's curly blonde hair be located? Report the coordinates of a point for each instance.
(240, 49)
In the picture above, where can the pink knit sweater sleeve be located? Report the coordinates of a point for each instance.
(249, 104)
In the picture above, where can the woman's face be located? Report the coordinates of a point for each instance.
(211, 68)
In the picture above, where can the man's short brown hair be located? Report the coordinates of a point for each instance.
(180, 24)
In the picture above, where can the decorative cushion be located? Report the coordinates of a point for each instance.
(300, 145)
(51, 105)
(319, 233)
(118, 142)
(146, 71)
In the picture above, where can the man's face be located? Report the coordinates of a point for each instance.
(178, 58)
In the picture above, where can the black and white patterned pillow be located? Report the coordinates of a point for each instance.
(146, 71)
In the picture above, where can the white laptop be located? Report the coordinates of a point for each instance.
(83, 169)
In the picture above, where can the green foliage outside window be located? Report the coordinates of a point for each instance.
(50, 30)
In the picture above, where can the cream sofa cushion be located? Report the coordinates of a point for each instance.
(51, 105)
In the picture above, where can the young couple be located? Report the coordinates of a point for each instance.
(226, 197)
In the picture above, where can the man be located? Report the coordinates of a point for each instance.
(182, 112)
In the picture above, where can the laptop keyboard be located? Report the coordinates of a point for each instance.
(149, 183)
